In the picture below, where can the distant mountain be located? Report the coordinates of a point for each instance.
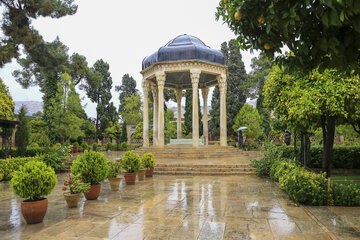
(32, 106)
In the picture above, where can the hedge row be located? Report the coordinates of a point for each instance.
(30, 152)
(305, 187)
(10, 165)
(347, 157)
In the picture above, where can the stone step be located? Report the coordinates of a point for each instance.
(201, 173)
(204, 169)
(204, 165)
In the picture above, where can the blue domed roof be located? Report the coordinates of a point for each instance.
(184, 47)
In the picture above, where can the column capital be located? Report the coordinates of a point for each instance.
(221, 80)
(195, 77)
(160, 78)
(178, 94)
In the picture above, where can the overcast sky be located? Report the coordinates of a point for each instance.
(122, 33)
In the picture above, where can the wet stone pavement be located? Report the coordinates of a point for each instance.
(181, 207)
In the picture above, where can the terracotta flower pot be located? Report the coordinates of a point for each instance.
(149, 172)
(72, 200)
(34, 212)
(141, 175)
(94, 192)
(130, 178)
(114, 183)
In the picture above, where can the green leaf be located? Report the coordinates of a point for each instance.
(268, 28)
(342, 16)
(325, 19)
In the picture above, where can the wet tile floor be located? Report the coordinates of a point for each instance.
(181, 207)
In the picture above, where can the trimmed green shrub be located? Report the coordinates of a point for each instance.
(91, 166)
(263, 165)
(131, 162)
(95, 146)
(10, 165)
(280, 168)
(305, 187)
(33, 181)
(345, 194)
(84, 146)
(124, 145)
(108, 146)
(148, 160)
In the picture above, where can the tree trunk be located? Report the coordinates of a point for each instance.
(328, 126)
(305, 148)
(295, 154)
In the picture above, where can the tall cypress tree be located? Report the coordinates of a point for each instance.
(237, 89)
(188, 114)
(22, 132)
(261, 67)
(126, 89)
(98, 90)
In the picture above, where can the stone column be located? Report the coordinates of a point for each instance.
(195, 76)
(155, 115)
(145, 86)
(205, 92)
(178, 99)
(223, 131)
(160, 78)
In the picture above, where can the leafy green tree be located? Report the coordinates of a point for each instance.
(320, 99)
(126, 89)
(64, 124)
(188, 114)
(46, 69)
(17, 29)
(113, 131)
(237, 89)
(261, 67)
(249, 117)
(22, 132)
(318, 33)
(132, 109)
(37, 114)
(39, 132)
(6, 103)
(98, 88)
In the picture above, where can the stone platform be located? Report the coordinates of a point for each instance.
(203, 160)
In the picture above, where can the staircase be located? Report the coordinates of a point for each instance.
(204, 160)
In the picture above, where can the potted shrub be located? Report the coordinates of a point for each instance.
(75, 147)
(149, 163)
(92, 168)
(114, 169)
(74, 187)
(131, 163)
(95, 146)
(84, 146)
(33, 182)
(124, 146)
(108, 146)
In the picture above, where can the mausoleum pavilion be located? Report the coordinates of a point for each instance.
(184, 63)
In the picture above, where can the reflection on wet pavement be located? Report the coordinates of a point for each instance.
(181, 207)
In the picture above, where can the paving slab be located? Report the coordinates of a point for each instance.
(181, 207)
